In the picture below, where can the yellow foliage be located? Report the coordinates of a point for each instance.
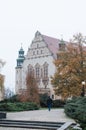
(1, 80)
(71, 70)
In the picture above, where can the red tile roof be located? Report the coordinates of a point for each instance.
(53, 44)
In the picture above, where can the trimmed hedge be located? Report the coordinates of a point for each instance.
(18, 106)
(76, 109)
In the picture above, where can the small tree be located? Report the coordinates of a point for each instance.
(70, 68)
(31, 93)
(1, 81)
(1, 87)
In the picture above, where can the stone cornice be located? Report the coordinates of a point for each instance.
(39, 56)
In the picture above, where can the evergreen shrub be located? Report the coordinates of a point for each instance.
(43, 99)
(18, 106)
(58, 103)
(76, 109)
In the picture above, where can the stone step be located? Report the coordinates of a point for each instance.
(31, 124)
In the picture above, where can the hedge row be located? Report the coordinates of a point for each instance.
(18, 106)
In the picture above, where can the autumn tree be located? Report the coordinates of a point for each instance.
(2, 63)
(31, 93)
(70, 68)
(1, 87)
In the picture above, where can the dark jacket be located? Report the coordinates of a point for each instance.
(49, 101)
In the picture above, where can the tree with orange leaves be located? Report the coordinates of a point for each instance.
(2, 63)
(31, 93)
(70, 68)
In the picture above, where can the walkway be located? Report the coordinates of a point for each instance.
(55, 115)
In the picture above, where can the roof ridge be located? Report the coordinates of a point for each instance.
(50, 37)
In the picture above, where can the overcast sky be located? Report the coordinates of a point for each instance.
(20, 19)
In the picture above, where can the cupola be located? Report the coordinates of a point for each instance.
(62, 45)
(20, 57)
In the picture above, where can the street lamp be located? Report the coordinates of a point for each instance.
(83, 89)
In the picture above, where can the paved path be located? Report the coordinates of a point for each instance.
(55, 115)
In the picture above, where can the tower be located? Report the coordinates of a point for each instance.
(18, 70)
(62, 45)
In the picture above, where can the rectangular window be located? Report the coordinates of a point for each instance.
(46, 71)
(33, 52)
(62, 47)
(37, 73)
(41, 51)
(37, 45)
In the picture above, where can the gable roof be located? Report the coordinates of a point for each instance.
(52, 43)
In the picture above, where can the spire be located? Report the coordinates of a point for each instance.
(21, 45)
(61, 41)
(37, 34)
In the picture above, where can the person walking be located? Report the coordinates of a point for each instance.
(49, 103)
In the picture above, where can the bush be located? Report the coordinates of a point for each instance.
(14, 98)
(58, 103)
(43, 99)
(18, 106)
(76, 109)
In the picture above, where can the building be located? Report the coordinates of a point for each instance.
(39, 59)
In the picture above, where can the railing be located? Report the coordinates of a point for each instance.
(66, 126)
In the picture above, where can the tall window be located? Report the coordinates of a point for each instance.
(33, 52)
(30, 69)
(37, 71)
(45, 78)
(41, 51)
(45, 70)
(37, 45)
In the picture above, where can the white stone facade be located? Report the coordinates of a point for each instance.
(39, 59)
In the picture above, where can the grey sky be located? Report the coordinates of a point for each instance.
(20, 19)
